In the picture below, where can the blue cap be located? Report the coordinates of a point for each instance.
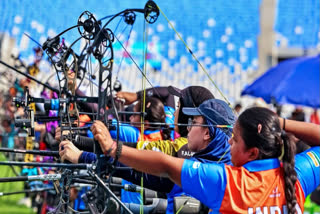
(216, 111)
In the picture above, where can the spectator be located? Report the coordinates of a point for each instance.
(238, 108)
(314, 118)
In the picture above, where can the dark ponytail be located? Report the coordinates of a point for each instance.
(290, 174)
(260, 128)
(166, 132)
(155, 113)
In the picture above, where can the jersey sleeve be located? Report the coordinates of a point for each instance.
(204, 181)
(87, 157)
(127, 133)
(308, 169)
(165, 146)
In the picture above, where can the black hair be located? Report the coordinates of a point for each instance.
(260, 127)
(238, 105)
(192, 96)
(154, 110)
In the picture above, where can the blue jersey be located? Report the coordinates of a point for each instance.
(256, 187)
(128, 133)
(131, 134)
(217, 151)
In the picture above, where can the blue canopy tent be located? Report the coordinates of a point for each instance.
(295, 81)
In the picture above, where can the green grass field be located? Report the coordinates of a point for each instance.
(9, 204)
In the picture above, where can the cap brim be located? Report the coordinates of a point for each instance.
(174, 91)
(191, 111)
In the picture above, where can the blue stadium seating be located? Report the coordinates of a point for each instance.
(223, 34)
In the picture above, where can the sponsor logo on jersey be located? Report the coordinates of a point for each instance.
(187, 153)
(275, 193)
(196, 165)
(315, 159)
